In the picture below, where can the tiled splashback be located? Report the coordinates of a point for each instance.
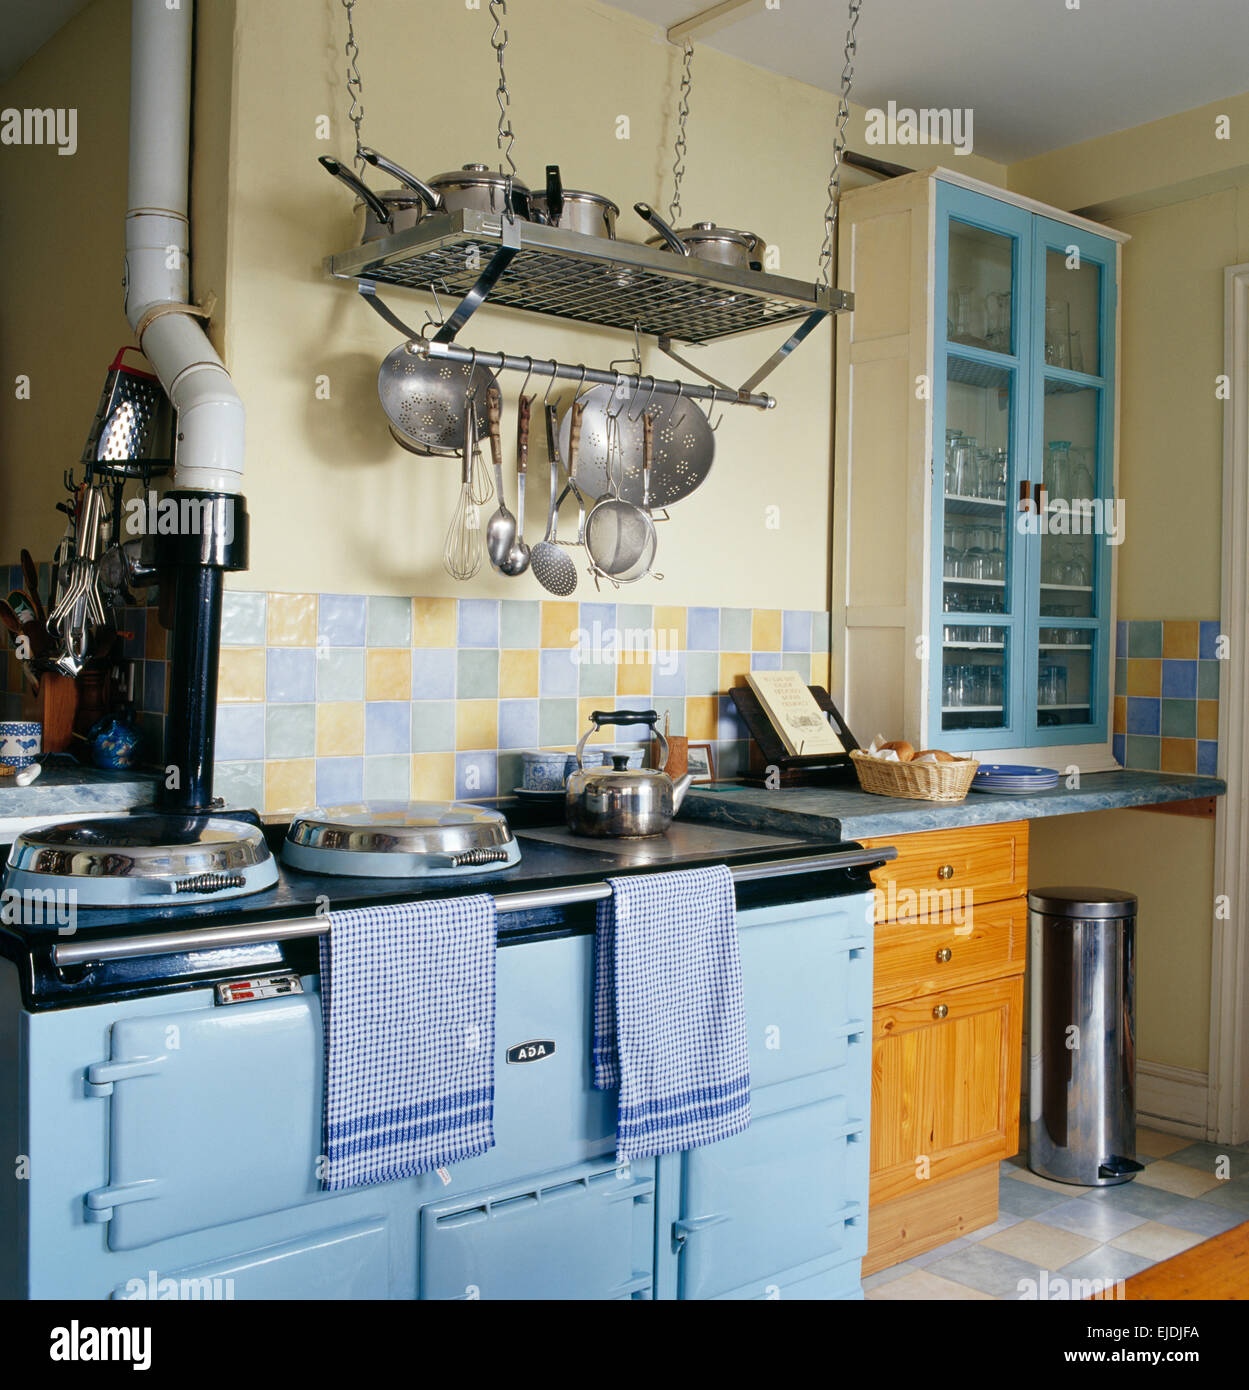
(334, 698)
(1166, 715)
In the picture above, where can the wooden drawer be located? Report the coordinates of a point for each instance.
(983, 943)
(936, 871)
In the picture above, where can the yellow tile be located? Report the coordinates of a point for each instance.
(477, 724)
(559, 622)
(154, 638)
(1207, 719)
(586, 706)
(433, 776)
(1047, 1247)
(1154, 1144)
(388, 673)
(290, 784)
(1121, 714)
(241, 673)
(821, 669)
(634, 677)
(1177, 1178)
(1156, 1241)
(924, 1286)
(702, 715)
(1179, 641)
(340, 729)
(1144, 676)
(292, 620)
(765, 630)
(1179, 755)
(518, 674)
(433, 622)
(733, 668)
(670, 619)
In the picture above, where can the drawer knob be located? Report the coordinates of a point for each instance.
(940, 1010)
(944, 955)
(946, 871)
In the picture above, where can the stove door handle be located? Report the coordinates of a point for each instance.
(101, 1075)
(100, 1201)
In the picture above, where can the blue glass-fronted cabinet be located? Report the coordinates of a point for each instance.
(974, 515)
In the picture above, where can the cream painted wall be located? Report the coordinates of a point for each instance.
(336, 505)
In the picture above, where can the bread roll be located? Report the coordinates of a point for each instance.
(939, 754)
(904, 750)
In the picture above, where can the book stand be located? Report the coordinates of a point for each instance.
(813, 770)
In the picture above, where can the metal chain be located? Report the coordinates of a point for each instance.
(498, 41)
(839, 147)
(683, 115)
(355, 88)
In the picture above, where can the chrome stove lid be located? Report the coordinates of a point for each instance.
(123, 861)
(401, 840)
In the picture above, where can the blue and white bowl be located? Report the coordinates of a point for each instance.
(543, 771)
(20, 742)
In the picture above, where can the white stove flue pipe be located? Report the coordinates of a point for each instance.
(209, 411)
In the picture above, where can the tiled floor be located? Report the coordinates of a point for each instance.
(1082, 1232)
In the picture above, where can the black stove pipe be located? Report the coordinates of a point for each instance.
(212, 538)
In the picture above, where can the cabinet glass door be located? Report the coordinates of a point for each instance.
(980, 409)
(1076, 522)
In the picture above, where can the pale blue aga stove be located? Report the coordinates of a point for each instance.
(161, 1089)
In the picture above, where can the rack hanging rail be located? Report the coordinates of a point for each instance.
(252, 933)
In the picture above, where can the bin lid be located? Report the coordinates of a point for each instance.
(1082, 902)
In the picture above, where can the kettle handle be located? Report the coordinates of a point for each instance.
(600, 717)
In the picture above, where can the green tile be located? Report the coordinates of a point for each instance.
(1208, 680)
(477, 673)
(1121, 675)
(241, 785)
(433, 726)
(389, 622)
(557, 722)
(243, 618)
(702, 673)
(820, 628)
(340, 673)
(1179, 718)
(674, 708)
(634, 617)
(511, 770)
(797, 661)
(388, 777)
(1144, 639)
(520, 623)
(735, 629)
(291, 731)
(597, 678)
(1144, 752)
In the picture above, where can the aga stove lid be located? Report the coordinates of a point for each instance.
(414, 839)
(124, 861)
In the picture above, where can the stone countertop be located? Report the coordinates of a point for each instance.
(67, 790)
(852, 814)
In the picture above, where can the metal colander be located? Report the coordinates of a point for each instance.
(131, 423)
(424, 400)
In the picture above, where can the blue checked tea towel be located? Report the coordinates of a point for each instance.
(669, 1023)
(407, 1004)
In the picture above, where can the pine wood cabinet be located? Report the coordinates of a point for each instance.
(946, 1034)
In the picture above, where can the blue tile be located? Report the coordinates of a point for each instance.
(1207, 639)
(1121, 637)
(1144, 714)
(477, 622)
(291, 675)
(1179, 680)
(1119, 749)
(240, 731)
(557, 673)
(729, 726)
(433, 673)
(796, 631)
(387, 726)
(341, 620)
(702, 629)
(765, 661)
(243, 617)
(1203, 1219)
(1109, 1264)
(154, 686)
(631, 733)
(476, 774)
(598, 619)
(340, 781)
(1097, 1220)
(1026, 1200)
(518, 723)
(990, 1271)
(1207, 757)
(668, 677)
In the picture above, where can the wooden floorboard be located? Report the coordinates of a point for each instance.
(1215, 1269)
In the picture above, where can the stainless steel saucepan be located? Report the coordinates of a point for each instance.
(474, 187)
(574, 209)
(706, 241)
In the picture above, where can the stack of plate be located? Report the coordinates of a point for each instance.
(1013, 779)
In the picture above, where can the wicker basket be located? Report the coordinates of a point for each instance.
(917, 781)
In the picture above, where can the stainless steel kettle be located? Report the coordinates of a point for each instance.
(622, 801)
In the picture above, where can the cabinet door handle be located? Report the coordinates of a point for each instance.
(944, 955)
(946, 871)
(1025, 488)
(940, 1010)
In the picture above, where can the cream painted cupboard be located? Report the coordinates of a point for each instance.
(976, 518)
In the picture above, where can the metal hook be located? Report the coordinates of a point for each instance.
(715, 425)
(617, 389)
(680, 420)
(546, 399)
(633, 419)
(528, 374)
(581, 384)
(471, 394)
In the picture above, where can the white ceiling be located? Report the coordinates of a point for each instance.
(1036, 74)
(26, 25)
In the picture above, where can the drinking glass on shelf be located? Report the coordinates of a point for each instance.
(964, 476)
(1080, 478)
(968, 314)
(997, 320)
(998, 470)
(1057, 332)
(1057, 473)
(949, 686)
(1075, 351)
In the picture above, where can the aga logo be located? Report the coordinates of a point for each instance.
(537, 1050)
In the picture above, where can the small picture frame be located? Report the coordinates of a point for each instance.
(701, 762)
